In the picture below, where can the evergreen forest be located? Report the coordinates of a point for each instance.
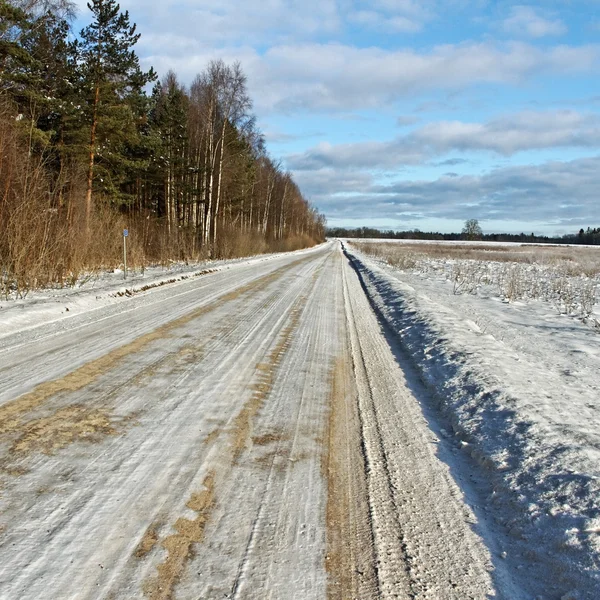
(91, 144)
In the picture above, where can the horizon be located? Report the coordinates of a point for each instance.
(455, 232)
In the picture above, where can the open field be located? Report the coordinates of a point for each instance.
(573, 259)
(568, 277)
(306, 425)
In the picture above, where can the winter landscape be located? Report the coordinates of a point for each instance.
(299, 300)
(317, 424)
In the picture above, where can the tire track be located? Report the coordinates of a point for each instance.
(422, 530)
(179, 545)
(391, 566)
(350, 559)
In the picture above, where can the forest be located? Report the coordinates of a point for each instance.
(91, 144)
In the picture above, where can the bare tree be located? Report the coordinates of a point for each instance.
(227, 104)
(472, 230)
(66, 9)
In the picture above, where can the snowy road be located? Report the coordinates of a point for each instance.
(247, 434)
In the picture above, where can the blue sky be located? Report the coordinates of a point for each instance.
(411, 114)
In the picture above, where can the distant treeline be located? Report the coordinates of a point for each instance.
(589, 236)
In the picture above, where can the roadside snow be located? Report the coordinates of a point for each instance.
(97, 290)
(517, 388)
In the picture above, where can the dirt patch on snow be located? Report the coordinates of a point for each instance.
(212, 437)
(64, 427)
(179, 546)
(148, 541)
(268, 438)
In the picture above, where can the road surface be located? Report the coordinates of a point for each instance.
(248, 434)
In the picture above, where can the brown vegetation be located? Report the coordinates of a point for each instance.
(573, 259)
(44, 240)
(566, 276)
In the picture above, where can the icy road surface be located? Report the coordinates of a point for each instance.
(248, 434)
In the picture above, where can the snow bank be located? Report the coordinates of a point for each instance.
(532, 428)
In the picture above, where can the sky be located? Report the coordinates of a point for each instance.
(410, 114)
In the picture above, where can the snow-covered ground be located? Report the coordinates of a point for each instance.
(568, 277)
(102, 288)
(256, 430)
(516, 387)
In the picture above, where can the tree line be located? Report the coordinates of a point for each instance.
(589, 236)
(85, 149)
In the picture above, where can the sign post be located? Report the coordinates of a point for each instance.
(125, 234)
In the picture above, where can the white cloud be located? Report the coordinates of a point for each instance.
(406, 120)
(338, 77)
(287, 70)
(527, 21)
(527, 130)
(422, 9)
(381, 22)
(563, 195)
(392, 16)
(505, 135)
(258, 22)
(254, 21)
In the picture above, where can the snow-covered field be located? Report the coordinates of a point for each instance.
(567, 277)
(305, 426)
(516, 386)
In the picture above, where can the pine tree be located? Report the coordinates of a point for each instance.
(112, 83)
(20, 19)
(50, 77)
(169, 123)
(14, 24)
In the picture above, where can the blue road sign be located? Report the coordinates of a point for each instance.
(125, 232)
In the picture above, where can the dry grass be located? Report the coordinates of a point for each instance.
(44, 240)
(38, 249)
(573, 260)
(566, 276)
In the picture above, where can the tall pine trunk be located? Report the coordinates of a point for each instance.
(92, 155)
